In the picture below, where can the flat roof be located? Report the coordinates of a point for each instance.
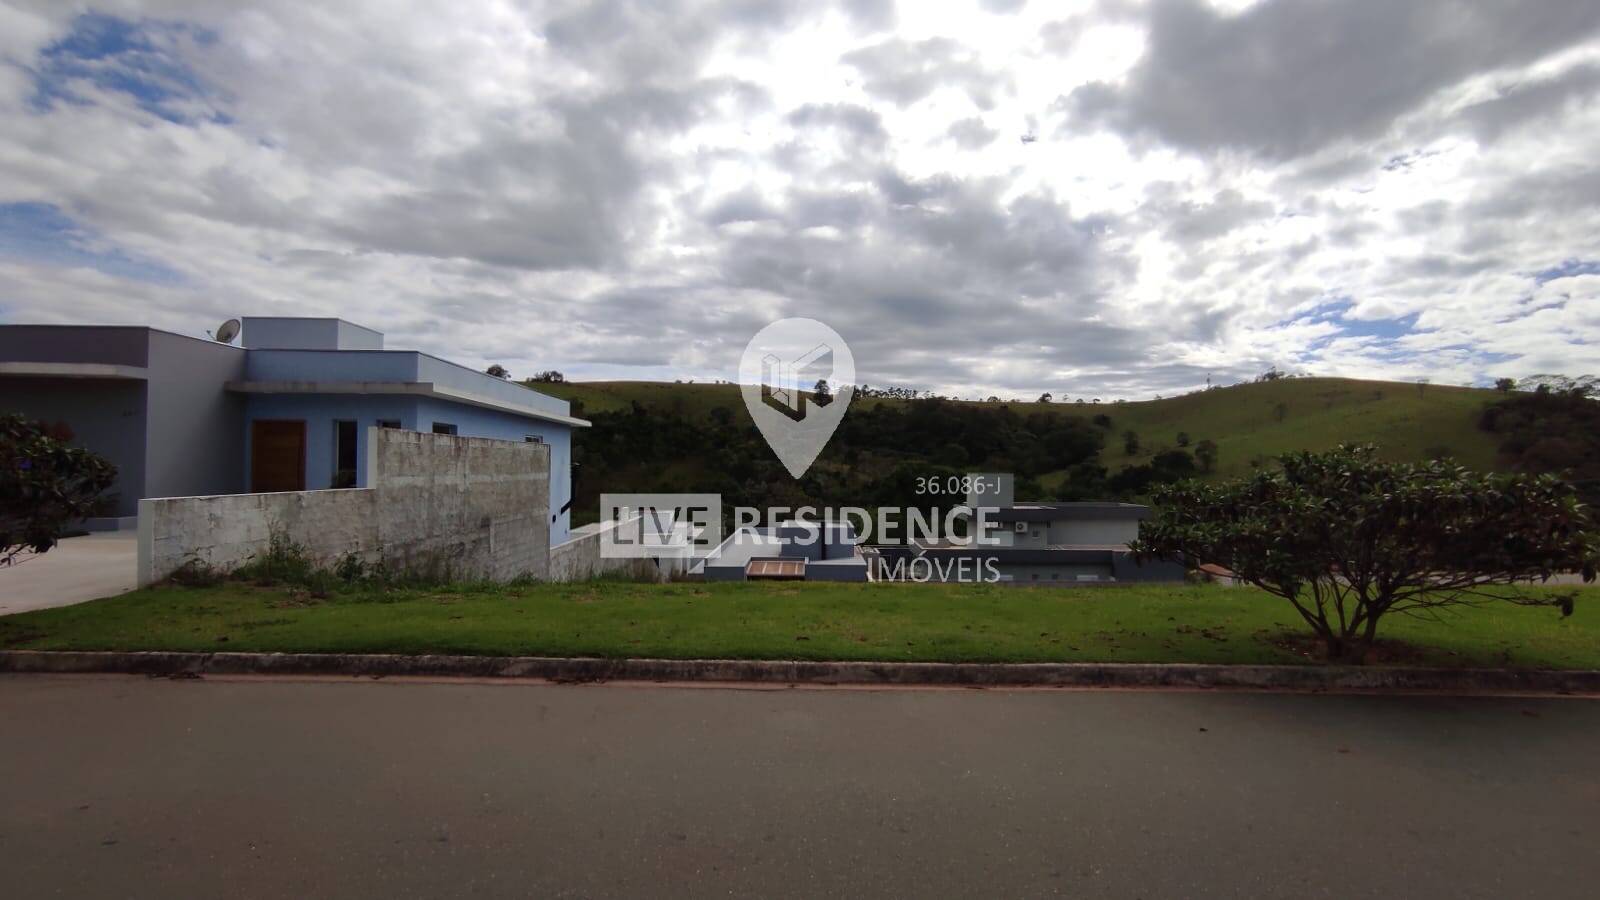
(412, 388)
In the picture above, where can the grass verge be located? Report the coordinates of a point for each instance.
(941, 623)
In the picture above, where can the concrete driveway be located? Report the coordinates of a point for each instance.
(78, 569)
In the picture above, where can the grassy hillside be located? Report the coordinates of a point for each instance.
(1249, 422)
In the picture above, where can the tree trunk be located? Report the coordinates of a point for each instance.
(1346, 650)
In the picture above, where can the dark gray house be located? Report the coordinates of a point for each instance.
(1038, 543)
(793, 551)
(150, 401)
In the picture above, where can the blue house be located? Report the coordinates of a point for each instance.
(288, 410)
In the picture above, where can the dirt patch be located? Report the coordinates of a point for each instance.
(1386, 652)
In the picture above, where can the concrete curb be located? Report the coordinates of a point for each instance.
(1309, 677)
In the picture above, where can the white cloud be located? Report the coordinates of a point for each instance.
(983, 200)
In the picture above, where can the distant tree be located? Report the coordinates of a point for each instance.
(1505, 385)
(1581, 385)
(1271, 374)
(1557, 433)
(1173, 465)
(1130, 442)
(1348, 540)
(1206, 453)
(992, 399)
(45, 485)
(498, 371)
(821, 393)
(1183, 439)
(952, 454)
(550, 376)
(1084, 481)
(1045, 398)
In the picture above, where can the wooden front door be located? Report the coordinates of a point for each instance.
(277, 456)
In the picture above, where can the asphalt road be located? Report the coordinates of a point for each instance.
(120, 786)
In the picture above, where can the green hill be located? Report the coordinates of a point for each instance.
(1248, 422)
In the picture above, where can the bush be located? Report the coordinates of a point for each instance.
(45, 486)
(1347, 539)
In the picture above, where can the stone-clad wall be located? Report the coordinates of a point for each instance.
(474, 508)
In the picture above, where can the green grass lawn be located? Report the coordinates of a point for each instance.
(950, 623)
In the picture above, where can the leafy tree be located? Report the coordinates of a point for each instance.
(1505, 385)
(1045, 398)
(498, 371)
(1101, 420)
(1183, 439)
(1549, 431)
(1582, 385)
(45, 486)
(953, 455)
(1347, 539)
(821, 393)
(1173, 465)
(549, 376)
(1084, 481)
(1130, 442)
(1206, 453)
(1132, 482)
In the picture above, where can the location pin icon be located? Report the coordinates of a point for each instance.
(778, 377)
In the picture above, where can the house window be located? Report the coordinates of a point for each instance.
(344, 454)
(443, 428)
(390, 423)
(532, 439)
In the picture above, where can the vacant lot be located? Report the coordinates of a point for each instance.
(951, 623)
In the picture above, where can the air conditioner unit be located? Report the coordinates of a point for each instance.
(1021, 527)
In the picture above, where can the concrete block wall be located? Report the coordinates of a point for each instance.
(579, 560)
(227, 531)
(474, 508)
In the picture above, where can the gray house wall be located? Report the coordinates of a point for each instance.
(275, 333)
(195, 435)
(1073, 574)
(1094, 532)
(106, 416)
(115, 345)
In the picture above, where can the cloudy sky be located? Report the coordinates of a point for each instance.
(1111, 198)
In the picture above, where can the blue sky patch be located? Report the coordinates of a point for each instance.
(41, 233)
(1568, 269)
(1337, 312)
(139, 59)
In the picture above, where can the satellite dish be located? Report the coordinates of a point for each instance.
(227, 331)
